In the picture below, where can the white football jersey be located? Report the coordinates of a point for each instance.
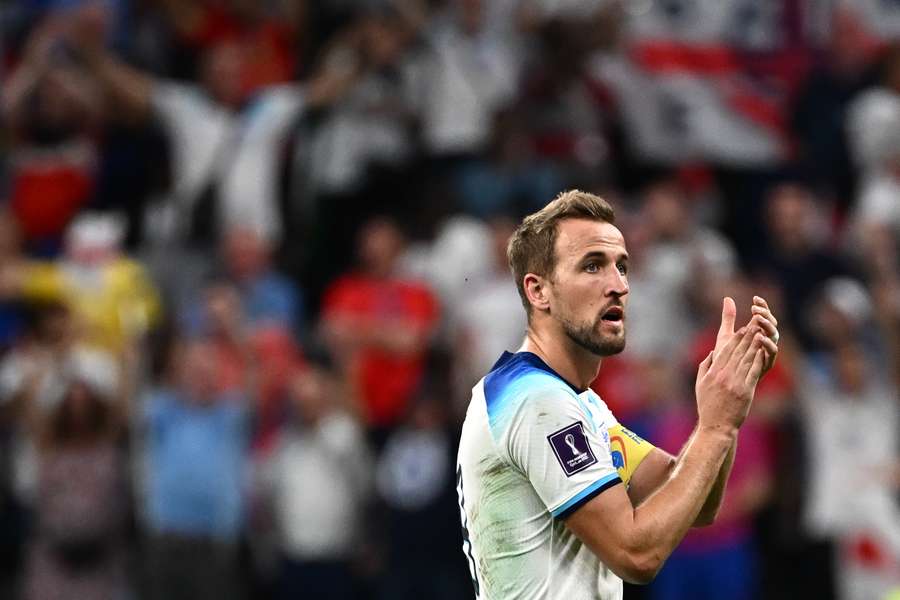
(533, 450)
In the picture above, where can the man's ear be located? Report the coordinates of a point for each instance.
(537, 291)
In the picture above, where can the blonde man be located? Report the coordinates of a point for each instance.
(558, 500)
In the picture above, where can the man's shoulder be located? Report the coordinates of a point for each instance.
(171, 96)
(522, 381)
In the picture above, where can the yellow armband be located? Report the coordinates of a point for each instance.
(628, 450)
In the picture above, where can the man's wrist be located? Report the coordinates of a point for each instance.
(724, 433)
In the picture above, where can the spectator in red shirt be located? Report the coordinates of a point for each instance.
(266, 33)
(49, 106)
(377, 325)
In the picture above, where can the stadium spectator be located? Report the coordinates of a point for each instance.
(377, 325)
(114, 302)
(370, 125)
(798, 257)
(365, 145)
(849, 387)
(452, 260)
(874, 123)
(667, 244)
(267, 35)
(471, 72)
(36, 374)
(854, 401)
(415, 478)
(316, 483)
(819, 115)
(51, 108)
(257, 359)
(266, 295)
(196, 441)
(78, 547)
(874, 127)
(873, 119)
(567, 111)
(486, 320)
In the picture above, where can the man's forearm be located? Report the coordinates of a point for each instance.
(667, 515)
(17, 88)
(130, 88)
(711, 507)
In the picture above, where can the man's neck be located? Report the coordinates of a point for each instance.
(573, 363)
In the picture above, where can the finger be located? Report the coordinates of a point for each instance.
(769, 346)
(746, 359)
(754, 353)
(765, 313)
(742, 348)
(759, 301)
(726, 328)
(756, 369)
(765, 324)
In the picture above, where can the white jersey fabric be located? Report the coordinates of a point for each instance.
(238, 150)
(533, 450)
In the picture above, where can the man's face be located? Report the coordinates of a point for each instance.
(245, 253)
(791, 214)
(223, 67)
(199, 372)
(380, 245)
(589, 286)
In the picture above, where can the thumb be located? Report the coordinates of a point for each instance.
(726, 328)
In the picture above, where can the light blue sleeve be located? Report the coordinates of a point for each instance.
(550, 438)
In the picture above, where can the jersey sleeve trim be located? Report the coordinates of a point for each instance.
(581, 498)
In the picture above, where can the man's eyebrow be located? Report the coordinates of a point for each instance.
(623, 257)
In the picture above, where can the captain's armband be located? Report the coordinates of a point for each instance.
(628, 450)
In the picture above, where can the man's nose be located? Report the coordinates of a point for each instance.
(618, 286)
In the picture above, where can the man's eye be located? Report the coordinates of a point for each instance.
(623, 269)
(591, 267)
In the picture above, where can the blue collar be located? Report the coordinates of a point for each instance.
(532, 359)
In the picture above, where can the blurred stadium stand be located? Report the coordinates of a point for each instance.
(252, 262)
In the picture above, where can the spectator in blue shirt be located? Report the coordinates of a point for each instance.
(196, 445)
(267, 295)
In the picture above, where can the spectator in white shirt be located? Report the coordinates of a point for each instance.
(315, 484)
(473, 72)
(487, 319)
(219, 137)
(873, 124)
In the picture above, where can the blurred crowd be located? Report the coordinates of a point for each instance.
(252, 261)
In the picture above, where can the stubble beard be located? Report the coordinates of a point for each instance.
(589, 337)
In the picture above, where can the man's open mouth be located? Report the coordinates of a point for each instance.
(613, 313)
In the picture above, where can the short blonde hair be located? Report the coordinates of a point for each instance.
(531, 248)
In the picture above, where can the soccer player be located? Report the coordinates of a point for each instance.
(558, 500)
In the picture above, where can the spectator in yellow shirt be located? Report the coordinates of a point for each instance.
(111, 295)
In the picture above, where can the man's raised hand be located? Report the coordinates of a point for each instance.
(762, 318)
(727, 378)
